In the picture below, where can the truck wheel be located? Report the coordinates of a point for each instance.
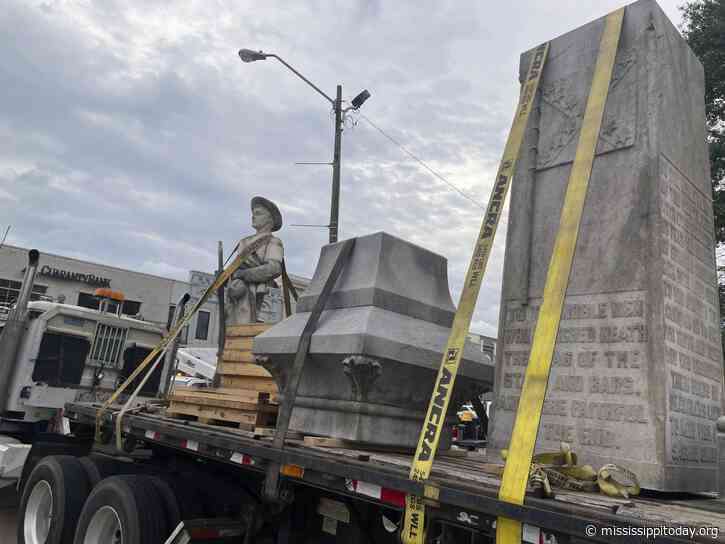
(188, 497)
(52, 500)
(169, 502)
(98, 467)
(123, 509)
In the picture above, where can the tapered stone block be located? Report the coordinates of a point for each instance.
(637, 377)
(375, 354)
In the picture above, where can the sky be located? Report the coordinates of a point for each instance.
(133, 135)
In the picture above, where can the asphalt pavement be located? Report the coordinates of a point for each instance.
(8, 510)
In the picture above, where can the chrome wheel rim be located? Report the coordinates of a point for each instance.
(38, 513)
(104, 528)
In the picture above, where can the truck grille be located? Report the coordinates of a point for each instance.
(108, 345)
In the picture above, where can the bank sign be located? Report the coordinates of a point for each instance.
(90, 279)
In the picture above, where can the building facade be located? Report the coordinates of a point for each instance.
(147, 296)
(487, 344)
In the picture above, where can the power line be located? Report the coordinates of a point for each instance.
(5, 236)
(436, 174)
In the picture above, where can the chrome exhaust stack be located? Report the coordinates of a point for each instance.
(14, 328)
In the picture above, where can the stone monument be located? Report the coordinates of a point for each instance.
(251, 282)
(637, 377)
(375, 354)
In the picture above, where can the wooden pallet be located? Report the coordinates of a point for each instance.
(245, 409)
(247, 398)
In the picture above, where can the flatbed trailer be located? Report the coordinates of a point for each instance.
(467, 486)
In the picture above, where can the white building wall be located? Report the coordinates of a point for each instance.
(155, 293)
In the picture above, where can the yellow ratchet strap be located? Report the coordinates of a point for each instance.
(173, 333)
(414, 523)
(528, 415)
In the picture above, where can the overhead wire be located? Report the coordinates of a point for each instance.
(421, 162)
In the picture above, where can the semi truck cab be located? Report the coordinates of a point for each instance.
(69, 353)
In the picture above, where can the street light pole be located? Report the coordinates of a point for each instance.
(335, 202)
(248, 55)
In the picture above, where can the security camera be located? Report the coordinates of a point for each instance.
(360, 99)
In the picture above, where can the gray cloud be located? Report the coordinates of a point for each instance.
(133, 136)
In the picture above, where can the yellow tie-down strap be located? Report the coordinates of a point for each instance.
(528, 415)
(414, 521)
(255, 243)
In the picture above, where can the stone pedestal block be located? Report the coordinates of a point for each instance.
(637, 377)
(374, 357)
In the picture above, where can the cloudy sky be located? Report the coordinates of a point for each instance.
(132, 135)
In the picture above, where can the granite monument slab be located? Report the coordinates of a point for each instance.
(637, 376)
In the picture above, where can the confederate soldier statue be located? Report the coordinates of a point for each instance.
(251, 281)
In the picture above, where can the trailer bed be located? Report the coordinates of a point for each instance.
(467, 486)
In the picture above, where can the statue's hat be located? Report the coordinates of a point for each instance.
(272, 208)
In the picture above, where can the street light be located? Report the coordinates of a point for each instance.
(248, 55)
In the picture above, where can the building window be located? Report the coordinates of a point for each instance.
(86, 300)
(131, 307)
(202, 325)
(38, 292)
(10, 290)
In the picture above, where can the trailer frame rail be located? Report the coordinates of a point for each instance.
(467, 505)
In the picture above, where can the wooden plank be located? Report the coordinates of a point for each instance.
(263, 396)
(238, 356)
(233, 394)
(244, 344)
(228, 425)
(270, 431)
(243, 369)
(250, 329)
(249, 383)
(223, 402)
(211, 412)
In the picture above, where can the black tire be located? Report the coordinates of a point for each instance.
(99, 467)
(169, 502)
(69, 486)
(136, 502)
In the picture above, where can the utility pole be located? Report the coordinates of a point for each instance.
(247, 55)
(335, 203)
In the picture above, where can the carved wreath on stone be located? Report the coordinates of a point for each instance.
(563, 111)
(363, 372)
